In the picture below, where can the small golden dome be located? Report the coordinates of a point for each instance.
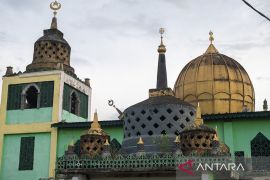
(219, 83)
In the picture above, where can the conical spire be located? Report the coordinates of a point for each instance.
(95, 126)
(265, 105)
(162, 72)
(198, 119)
(177, 139)
(54, 6)
(211, 48)
(54, 23)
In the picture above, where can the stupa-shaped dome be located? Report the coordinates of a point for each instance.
(158, 119)
(219, 83)
(51, 52)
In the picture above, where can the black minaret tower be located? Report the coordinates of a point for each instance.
(161, 73)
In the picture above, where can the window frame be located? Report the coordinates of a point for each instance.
(23, 96)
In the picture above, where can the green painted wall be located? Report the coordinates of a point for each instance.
(66, 136)
(237, 134)
(246, 130)
(26, 116)
(11, 153)
(69, 117)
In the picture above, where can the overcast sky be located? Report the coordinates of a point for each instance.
(114, 42)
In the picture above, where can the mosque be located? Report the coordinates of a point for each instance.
(206, 127)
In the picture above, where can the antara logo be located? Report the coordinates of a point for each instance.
(189, 170)
(220, 167)
(187, 167)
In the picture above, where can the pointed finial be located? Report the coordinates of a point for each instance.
(216, 135)
(95, 126)
(95, 116)
(198, 111)
(177, 139)
(211, 38)
(55, 6)
(265, 105)
(211, 49)
(140, 141)
(161, 47)
(107, 142)
(198, 119)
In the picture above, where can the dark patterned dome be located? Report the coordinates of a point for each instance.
(158, 119)
(51, 52)
(153, 118)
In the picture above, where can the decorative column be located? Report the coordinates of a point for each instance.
(140, 147)
(177, 146)
(106, 149)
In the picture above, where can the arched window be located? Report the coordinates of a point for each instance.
(74, 103)
(260, 152)
(30, 97)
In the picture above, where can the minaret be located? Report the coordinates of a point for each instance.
(162, 72)
(265, 105)
(52, 51)
(162, 88)
(198, 120)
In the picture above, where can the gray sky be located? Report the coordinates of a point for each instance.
(114, 42)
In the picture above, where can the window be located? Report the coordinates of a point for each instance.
(74, 103)
(26, 160)
(260, 152)
(239, 157)
(30, 97)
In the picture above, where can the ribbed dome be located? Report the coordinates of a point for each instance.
(219, 83)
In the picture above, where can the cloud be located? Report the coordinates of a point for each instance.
(81, 61)
(3, 37)
(22, 5)
(261, 78)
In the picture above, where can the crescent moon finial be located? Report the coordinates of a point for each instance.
(55, 6)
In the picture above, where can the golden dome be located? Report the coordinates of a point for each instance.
(219, 83)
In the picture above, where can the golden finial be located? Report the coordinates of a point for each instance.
(140, 141)
(211, 49)
(161, 47)
(177, 139)
(216, 135)
(55, 6)
(107, 142)
(198, 119)
(211, 38)
(95, 126)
